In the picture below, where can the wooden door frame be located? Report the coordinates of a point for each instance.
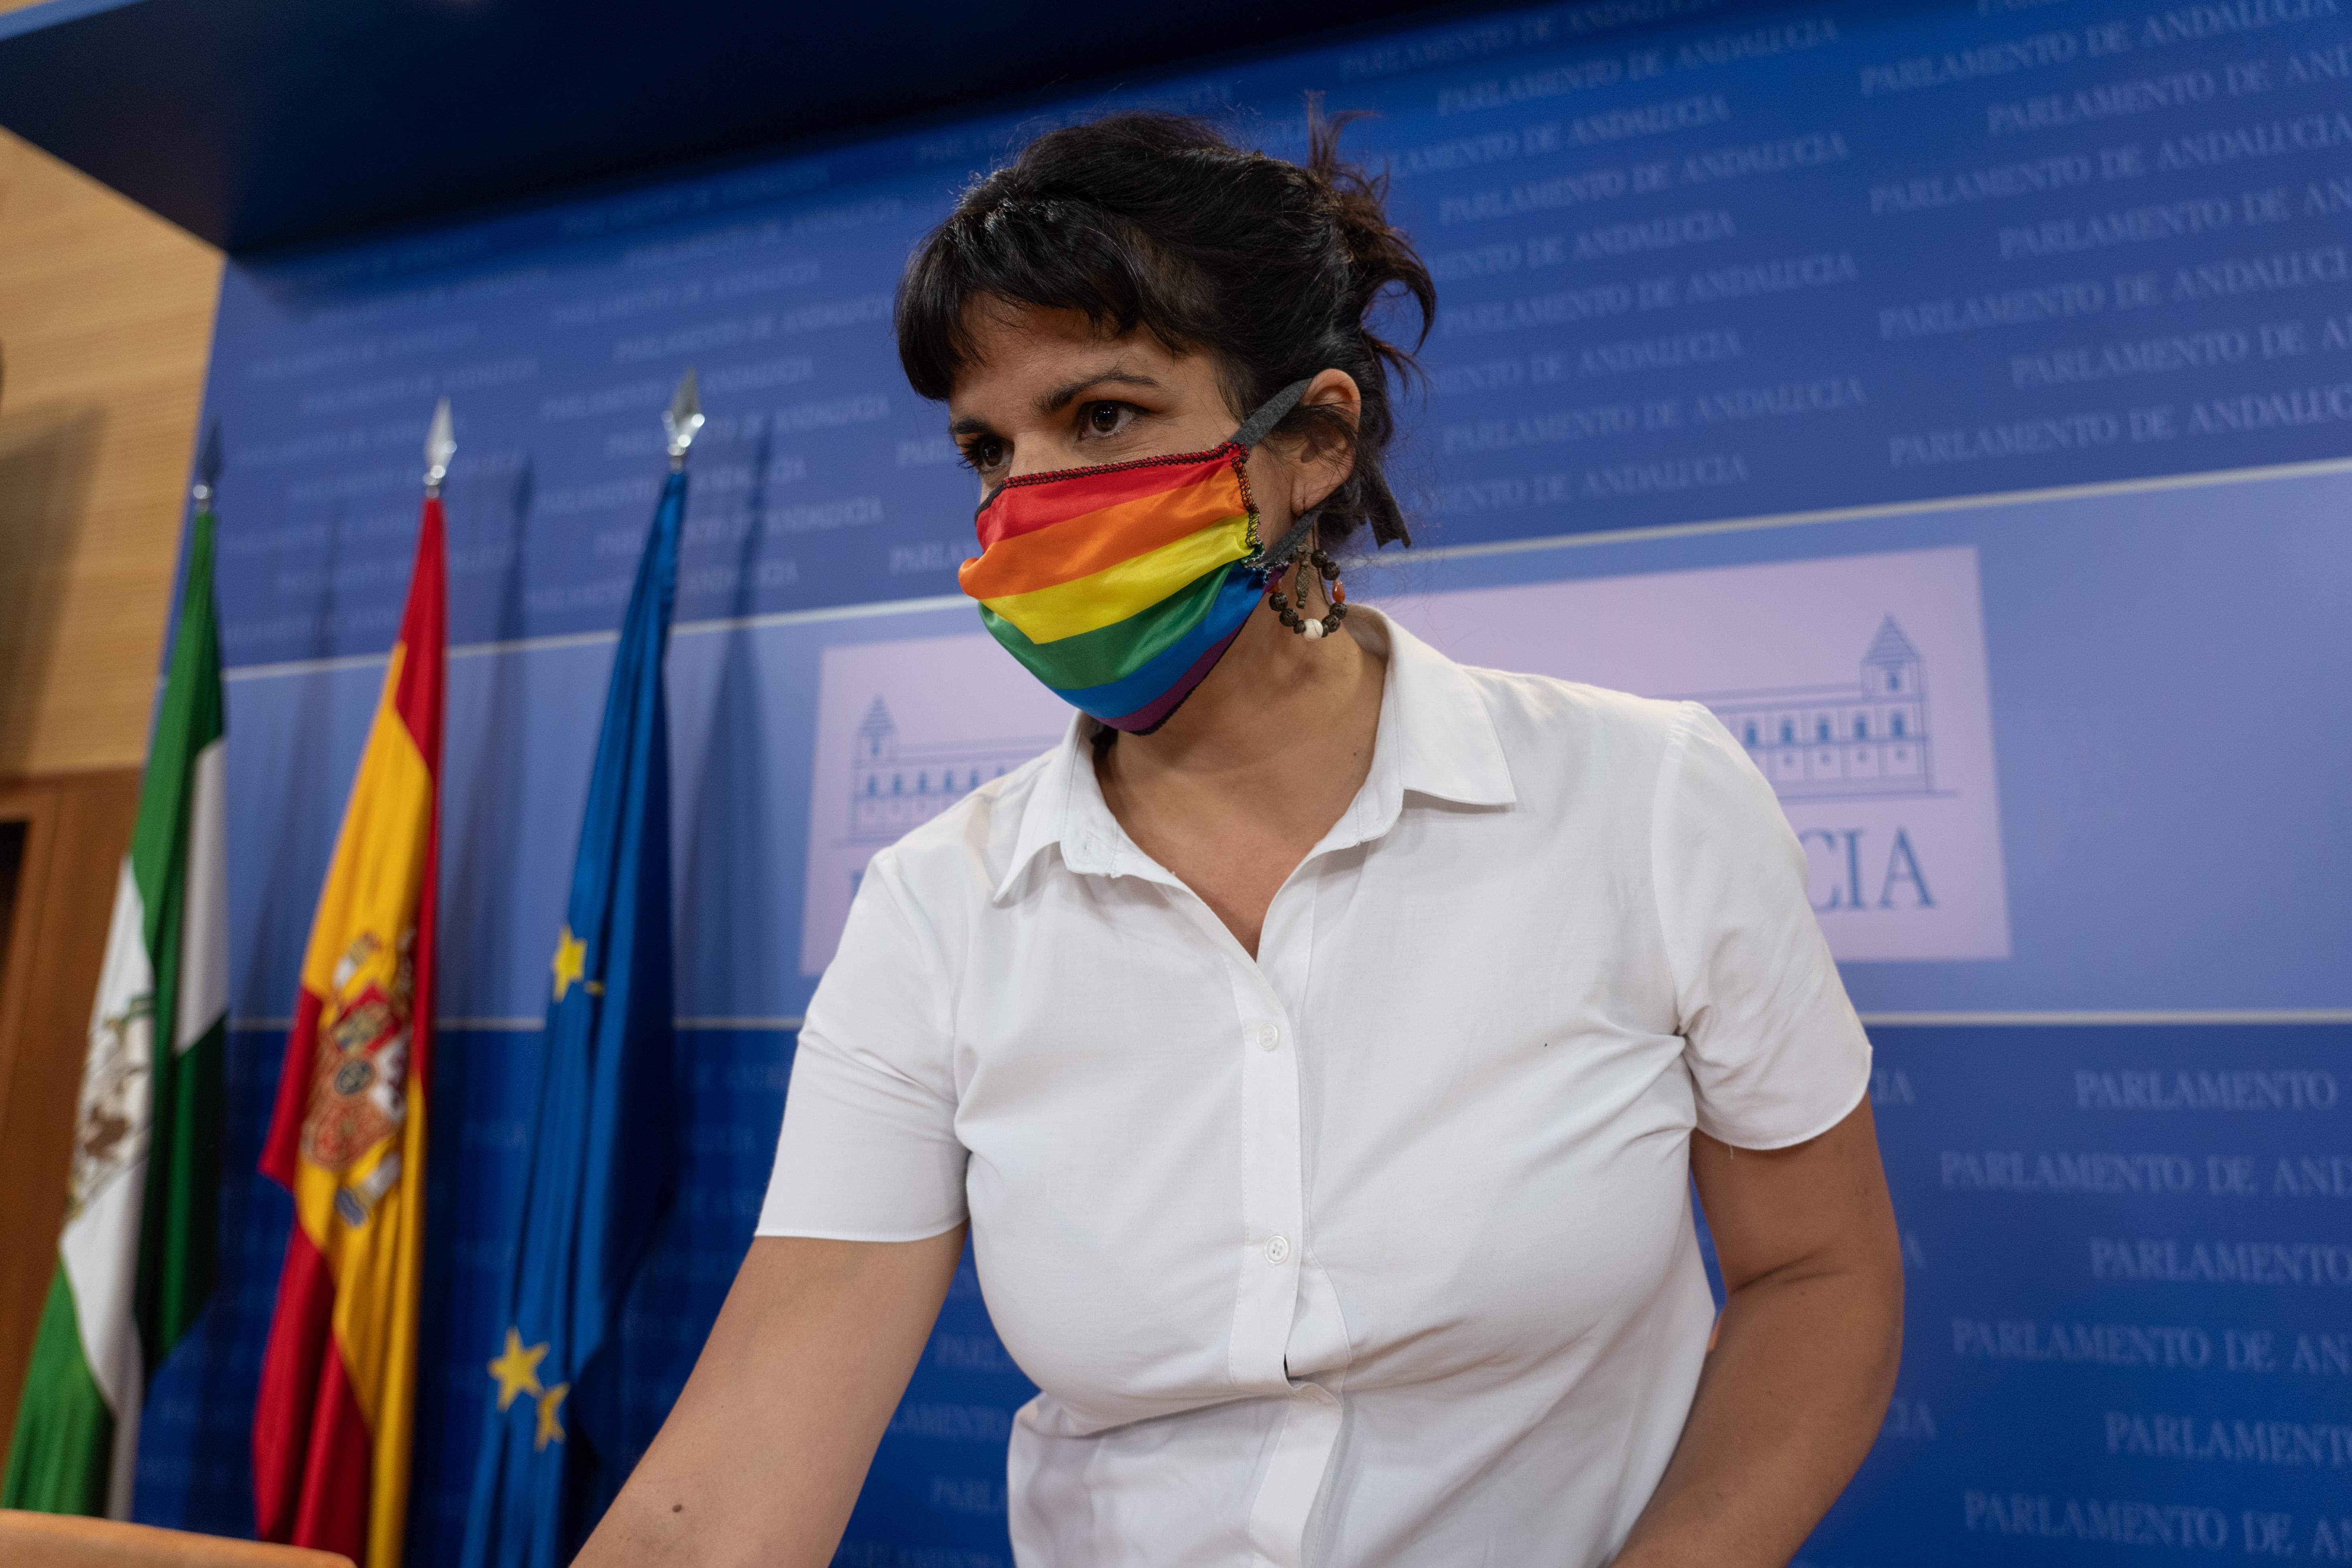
(77, 830)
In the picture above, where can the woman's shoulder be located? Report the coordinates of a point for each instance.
(1648, 765)
(1543, 718)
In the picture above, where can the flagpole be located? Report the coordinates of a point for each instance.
(440, 445)
(683, 420)
(335, 1415)
(603, 1139)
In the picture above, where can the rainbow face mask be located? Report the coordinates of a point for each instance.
(1121, 586)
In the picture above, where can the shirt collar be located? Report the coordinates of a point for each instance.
(1436, 738)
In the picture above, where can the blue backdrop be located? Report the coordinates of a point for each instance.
(2063, 286)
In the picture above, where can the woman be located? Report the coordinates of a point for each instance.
(1321, 1042)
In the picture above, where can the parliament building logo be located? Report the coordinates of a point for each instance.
(895, 788)
(1815, 742)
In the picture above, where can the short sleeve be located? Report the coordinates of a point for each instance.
(868, 1151)
(1773, 1046)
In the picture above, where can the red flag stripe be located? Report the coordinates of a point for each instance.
(333, 1516)
(424, 630)
(1016, 508)
(301, 1344)
(284, 1147)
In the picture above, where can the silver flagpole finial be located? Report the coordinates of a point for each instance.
(440, 445)
(208, 465)
(684, 418)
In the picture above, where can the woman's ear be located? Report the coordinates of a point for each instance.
(1323, 466)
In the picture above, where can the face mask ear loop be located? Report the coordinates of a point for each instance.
(1253, 429)
(1270, 560)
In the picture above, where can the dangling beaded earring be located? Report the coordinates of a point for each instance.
(1301, 561)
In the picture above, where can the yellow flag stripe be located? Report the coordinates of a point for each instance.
(373, 887)
(1114, 592)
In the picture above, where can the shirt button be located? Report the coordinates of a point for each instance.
(1277, 1249)
(1266, 1036)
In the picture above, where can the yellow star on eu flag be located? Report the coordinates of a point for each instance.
(550, 1429)
(570, 962)
(518, 1370)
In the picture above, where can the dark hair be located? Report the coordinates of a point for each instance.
(1157, 221)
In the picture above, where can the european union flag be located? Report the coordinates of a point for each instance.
(603, 1148)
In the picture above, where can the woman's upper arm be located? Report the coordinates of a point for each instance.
(1820, 1206)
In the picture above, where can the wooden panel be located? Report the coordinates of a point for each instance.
(52, 1541)
(78, 828)
(106, 315)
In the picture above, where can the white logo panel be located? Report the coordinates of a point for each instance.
(1857, 684)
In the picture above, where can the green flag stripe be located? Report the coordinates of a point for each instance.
(176, 1225)
(1116, 651)
(58, 1460)
(182, 1211)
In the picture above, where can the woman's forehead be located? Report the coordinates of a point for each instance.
(998, 328)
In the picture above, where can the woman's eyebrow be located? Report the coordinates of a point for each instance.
(1118, 374)
(1061, 397)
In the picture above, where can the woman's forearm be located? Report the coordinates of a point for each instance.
(762, 1458)
(1789, 1402)
(1804, 1355)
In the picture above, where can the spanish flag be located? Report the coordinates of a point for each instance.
(330, 1431)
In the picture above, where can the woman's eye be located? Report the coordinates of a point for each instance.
(1106, 418)
(984, 452)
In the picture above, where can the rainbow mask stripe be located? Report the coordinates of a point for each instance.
(1120, 587)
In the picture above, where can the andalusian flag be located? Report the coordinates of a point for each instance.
(135, 1260)
(331, 1430)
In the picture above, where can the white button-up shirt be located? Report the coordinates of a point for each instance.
(1376, 1248)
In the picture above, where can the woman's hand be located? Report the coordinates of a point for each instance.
(763, 1457)
(1804, 1355)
